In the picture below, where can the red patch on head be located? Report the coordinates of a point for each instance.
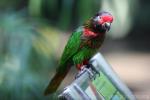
(106, 18)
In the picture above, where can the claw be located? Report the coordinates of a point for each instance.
(91, 74)
(83, 70)
(94, 70)
(80, 72)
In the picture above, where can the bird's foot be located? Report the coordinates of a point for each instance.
(93, 70)
(83, 70)
(80, 72)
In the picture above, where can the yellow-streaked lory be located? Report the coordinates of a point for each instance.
(81, 46)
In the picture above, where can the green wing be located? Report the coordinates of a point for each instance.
(71, 48)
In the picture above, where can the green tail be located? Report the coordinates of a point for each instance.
(54, 84)
(56, 80)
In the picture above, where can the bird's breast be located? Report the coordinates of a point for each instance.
(95, 43)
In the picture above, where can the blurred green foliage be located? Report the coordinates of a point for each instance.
(26, 54)
(64, 13)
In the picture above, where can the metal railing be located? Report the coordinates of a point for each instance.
(106, 86)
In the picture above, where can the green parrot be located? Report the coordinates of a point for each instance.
(81, 46)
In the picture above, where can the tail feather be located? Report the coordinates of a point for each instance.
(54, 83)
(57, 79)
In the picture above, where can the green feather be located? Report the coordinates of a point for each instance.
(70, 50)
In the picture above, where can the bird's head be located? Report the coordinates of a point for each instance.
(101, 22)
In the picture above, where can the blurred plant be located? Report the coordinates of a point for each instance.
(26, 52)
(64, 13)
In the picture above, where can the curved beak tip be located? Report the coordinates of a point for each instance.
(107, 25)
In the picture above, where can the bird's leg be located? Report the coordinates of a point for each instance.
(83, 70)
(79, 66)
(87, 67)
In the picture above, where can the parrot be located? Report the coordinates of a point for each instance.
(83, 43)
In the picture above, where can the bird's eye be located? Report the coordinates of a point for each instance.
(97, 18)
